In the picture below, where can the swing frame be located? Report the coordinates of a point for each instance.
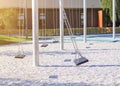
(35, 27)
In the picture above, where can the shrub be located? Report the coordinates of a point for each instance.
(2, 25)
(9, 18)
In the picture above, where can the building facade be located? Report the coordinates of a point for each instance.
(49, 12)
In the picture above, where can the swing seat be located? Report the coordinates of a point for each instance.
(20, 56)
(44, 45)
(80, 61)
(67, 60)
(56, 41)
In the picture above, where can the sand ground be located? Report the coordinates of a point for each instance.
(103, 68)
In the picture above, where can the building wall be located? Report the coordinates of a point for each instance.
(73, 15)
(29, 17)
(75, 6)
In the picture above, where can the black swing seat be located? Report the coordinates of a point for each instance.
(44, 45)
(55, 41)
(80, 61)
(20, 56)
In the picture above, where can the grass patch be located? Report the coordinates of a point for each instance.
(56, 32)
(4, 40)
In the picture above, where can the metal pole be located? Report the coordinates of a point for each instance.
(35, 32)
(26, 20)
(114, 19)
(85, 20)
(61, 8)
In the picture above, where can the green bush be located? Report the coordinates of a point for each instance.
(79, 31)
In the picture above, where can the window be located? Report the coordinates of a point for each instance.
(21, 19)
(81, 19)
(42, 16)
(21, 16)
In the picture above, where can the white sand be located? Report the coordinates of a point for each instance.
(103, 68)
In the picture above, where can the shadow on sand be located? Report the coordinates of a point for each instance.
(21, 82)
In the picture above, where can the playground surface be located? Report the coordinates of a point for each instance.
(57, 67)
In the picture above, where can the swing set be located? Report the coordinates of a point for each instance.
(79, 59)
(21, 23)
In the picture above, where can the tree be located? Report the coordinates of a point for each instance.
(2, 26)
(118, 10)
(107, 7)
(9, 18)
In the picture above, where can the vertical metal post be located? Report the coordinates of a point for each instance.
(114, 18)
(35, 32)
(85, 20)
(26, 20)
(61, 9)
